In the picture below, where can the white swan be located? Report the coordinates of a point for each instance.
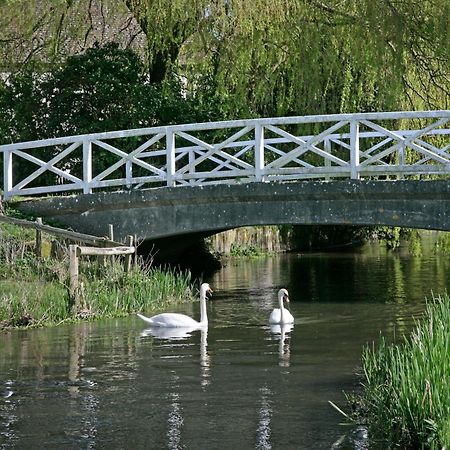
(172, 320)
(281, 314)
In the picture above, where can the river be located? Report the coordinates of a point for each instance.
(113, 384)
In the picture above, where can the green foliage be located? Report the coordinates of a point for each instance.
(35, 292)
(246, 251)
(406, 386)
(256, 58)
(390, 236)
(442, 244)
(298, 57)
(95, 91)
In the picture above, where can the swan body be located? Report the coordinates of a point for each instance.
(176, 320)
(281, 315)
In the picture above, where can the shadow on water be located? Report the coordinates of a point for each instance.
(241, 383)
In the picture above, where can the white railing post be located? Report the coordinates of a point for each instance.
(327, 162)
(170, 148)
(7, 173)
(401, 159)
(259, 152)
(128, 172)
(354, 150)
(191, 159)
(87, 166)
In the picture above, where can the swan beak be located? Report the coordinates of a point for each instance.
(210, 291)
(286, 298)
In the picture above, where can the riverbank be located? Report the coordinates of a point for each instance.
(405, 398)
(34, 291)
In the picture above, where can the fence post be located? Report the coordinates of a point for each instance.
(170, 155)
(127, 260)
(74, 298)
(38, 248)
(87, 166)
(354, 150)
(110, 231)
(259, 152)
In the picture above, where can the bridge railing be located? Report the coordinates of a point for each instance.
(369, 145)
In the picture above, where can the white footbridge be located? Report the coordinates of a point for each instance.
(369, 146)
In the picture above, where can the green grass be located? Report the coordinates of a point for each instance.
(33, 299)
(35, 292)
(406, 389)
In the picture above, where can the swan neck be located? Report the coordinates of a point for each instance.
(203, 315)
(280, 300)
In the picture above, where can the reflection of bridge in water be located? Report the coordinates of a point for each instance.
(367, 169)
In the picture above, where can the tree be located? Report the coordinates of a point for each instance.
(306, 56)
(43, 33)
(259, 57)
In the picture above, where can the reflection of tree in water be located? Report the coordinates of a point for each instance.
(83, 398)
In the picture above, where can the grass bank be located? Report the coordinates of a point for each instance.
(35, 291)
(406, 390)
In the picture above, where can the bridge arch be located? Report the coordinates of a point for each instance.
(170, 212)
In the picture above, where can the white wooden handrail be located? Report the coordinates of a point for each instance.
(387, 144)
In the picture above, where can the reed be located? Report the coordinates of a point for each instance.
(34, 291)
(144, 288)
(406, 389)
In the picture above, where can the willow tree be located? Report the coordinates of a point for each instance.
(43, 33)
(304, 56)
(260, 57)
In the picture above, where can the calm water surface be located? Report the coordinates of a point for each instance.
(242, 385)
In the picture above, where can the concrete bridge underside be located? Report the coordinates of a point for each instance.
(182, 214)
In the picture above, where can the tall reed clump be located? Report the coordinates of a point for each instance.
(406, 392)
(115, 293)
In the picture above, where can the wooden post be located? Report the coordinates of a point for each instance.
(102, 258)
(38, 248)
(74, 299)
(110, 232)
(127, 260)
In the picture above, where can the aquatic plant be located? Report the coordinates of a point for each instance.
(406, 388)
